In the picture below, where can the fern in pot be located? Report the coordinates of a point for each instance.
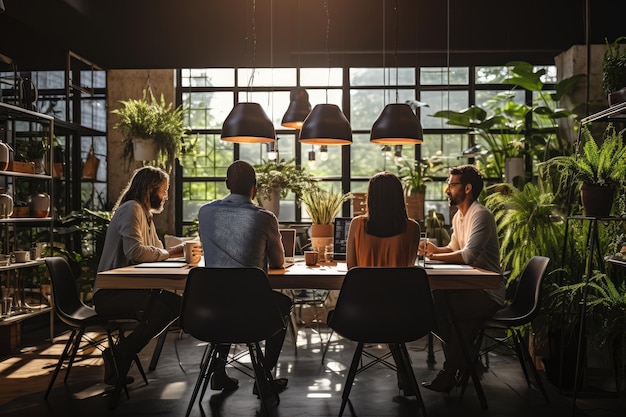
(153, 129)
(599, 170)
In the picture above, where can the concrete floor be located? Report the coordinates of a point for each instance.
(314, 388)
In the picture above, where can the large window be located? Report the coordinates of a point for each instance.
(361, 93)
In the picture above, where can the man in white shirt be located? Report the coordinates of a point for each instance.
(474, 242)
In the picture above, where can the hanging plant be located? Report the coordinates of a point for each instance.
(152, 118)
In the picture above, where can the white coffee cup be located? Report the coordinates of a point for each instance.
(193, 252)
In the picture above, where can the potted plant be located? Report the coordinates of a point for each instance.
(150, 122)
(275, 179)
(323, 206)
(600, 169)
(413, 177)
(614, 71)
(33, 151)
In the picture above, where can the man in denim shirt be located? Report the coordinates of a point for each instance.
(236, 233)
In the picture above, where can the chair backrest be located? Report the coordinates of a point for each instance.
(525, 304)
(229, 305)
(67, 303)
(384, 305)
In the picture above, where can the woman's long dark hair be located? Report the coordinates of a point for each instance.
(143, 184)
(386, 209)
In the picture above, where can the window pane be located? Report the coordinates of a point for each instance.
(382, 77)
(266, 77)
(441, 100)
(441, 75)
(366, 105)
(208, 77)
(207, 110)
(321, 77)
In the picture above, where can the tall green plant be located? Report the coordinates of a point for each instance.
(511, 129)
(529, 224)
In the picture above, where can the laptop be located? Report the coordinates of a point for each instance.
(340, 238)
(289, 244)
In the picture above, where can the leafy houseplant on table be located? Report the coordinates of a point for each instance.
(275, 179)
(600, 168)
(323, 206)
(614, 71)
(150, 120)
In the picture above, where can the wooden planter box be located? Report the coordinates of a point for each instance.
(24, 167)
(21, 211)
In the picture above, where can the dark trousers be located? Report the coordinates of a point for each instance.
(155, 310)
(273, 345)
(469, 309)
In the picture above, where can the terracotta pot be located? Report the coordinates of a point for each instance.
(597, 200)
(321, 235)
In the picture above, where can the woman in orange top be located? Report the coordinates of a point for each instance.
(384, 235)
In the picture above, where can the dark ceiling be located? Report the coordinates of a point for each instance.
(118, 34)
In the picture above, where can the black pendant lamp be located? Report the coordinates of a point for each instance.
(326, 125)
(397, 125)
(299, 108)
(248, 123)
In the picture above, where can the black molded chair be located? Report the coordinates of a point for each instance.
(522, 309)
(231, 306)
(80, 317)
(391, 306)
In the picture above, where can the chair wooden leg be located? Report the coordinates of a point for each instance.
(350, 377)
(64, 355)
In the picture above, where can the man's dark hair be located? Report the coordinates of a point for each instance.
(470, 175)
(240, 178)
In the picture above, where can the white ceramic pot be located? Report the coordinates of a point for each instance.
(144, 149)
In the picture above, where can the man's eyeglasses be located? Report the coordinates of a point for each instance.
(450, 184)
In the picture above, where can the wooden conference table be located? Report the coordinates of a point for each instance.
(324, 276)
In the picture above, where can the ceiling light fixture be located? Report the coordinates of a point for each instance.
(299, 108)
(396, 124)
(326, 124)
(299, 105)
(248, 122)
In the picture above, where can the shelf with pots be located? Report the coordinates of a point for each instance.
(26, 217)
